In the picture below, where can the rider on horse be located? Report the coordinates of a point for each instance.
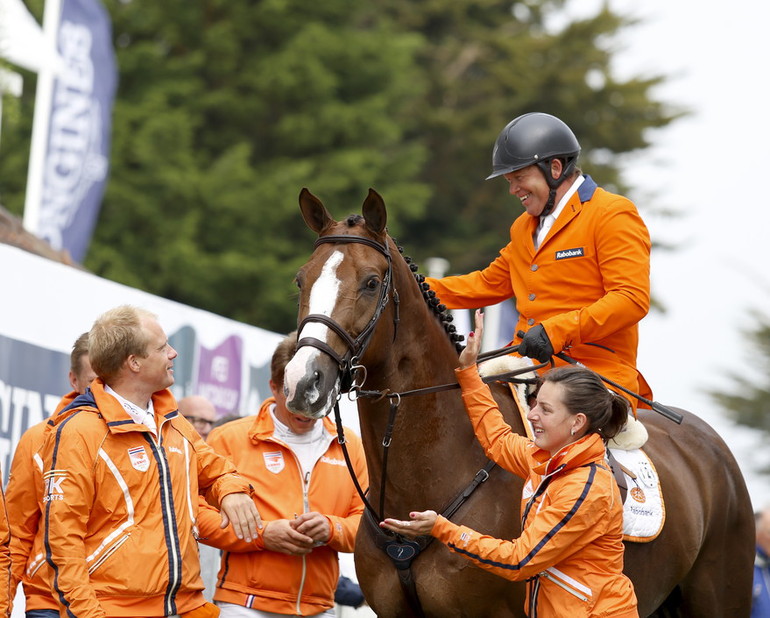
(578, 262)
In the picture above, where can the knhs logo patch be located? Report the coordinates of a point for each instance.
(139, 458)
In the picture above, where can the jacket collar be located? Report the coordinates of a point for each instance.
(587, 189)
(571, 209)
(587, 450)
(95, 399)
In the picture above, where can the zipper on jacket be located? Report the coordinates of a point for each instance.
(561, 584)
(305, 509)
(174, 549)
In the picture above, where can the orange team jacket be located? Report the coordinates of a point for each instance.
(6, 592)
(252, 576)
(120, 507)
(25, 493)
(588, 283)
(572, 538)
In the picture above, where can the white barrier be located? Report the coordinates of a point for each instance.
(45, 306)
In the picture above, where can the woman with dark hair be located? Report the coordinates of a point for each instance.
(571, 548)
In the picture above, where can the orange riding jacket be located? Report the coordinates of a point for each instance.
(270, 581)
(120, 507)
(571, 547)
(588, 283)
(6, 592)
(25, 493)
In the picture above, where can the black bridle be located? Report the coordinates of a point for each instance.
(400, 550)
(356, 346)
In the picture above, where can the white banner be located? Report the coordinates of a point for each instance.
(46, 305)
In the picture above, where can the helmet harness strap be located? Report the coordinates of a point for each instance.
(553, 183)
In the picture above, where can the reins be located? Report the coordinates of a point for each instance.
(394, 403)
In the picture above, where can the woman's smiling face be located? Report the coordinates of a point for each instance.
(551, 422)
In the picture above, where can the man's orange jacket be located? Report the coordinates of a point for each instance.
(6, 592)
(270, 581)
(25, 493)
(120, 507)
(571, 547)
(588, 283)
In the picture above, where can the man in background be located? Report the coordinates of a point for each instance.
(760, 606)
(200, 412)
(25, 493)
(304, 491)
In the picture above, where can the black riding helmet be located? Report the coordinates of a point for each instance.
(536, 139)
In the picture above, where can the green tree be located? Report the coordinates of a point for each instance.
(490, 61)
(748, 403)
(225, 110)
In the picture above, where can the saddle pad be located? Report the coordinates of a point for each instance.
(643, 511)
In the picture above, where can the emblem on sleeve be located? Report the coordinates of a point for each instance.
(52, 482)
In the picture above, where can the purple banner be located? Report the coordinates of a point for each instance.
(219, 374)
(77, 157)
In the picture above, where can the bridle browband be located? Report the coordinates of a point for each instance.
(356, 346)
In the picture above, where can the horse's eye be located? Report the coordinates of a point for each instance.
(297, 282)
(372, 283)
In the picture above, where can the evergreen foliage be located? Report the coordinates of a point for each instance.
(225, 110)
(748, 401)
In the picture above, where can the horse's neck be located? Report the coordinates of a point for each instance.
(430, 431)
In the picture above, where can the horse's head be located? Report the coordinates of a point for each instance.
(343, 289)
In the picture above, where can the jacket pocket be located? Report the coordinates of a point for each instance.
(571, 585)
(102, 554)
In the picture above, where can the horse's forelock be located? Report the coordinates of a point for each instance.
(354, 220)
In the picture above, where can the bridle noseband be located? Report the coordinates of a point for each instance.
(356, 346)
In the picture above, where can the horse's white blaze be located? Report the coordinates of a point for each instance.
(323, 299)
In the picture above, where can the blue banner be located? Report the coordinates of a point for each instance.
(77, 158)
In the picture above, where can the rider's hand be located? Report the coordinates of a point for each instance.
(536, 344)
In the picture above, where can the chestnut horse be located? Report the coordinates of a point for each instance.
(368, 323)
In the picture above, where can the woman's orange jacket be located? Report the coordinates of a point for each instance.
(120, 507)
(270, 581)
(571, 546)
(588, 283)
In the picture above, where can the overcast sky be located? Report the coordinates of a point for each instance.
(710, 167)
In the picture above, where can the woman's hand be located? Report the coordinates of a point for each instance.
(471, 352)
(420, 524)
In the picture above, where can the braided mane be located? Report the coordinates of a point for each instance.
(439, 309)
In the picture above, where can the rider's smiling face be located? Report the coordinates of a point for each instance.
(529, 185)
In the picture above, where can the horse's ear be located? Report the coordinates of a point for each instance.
(314, 212)
(375, 213)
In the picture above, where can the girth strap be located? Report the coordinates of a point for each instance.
(619, 472)
(402, 552)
